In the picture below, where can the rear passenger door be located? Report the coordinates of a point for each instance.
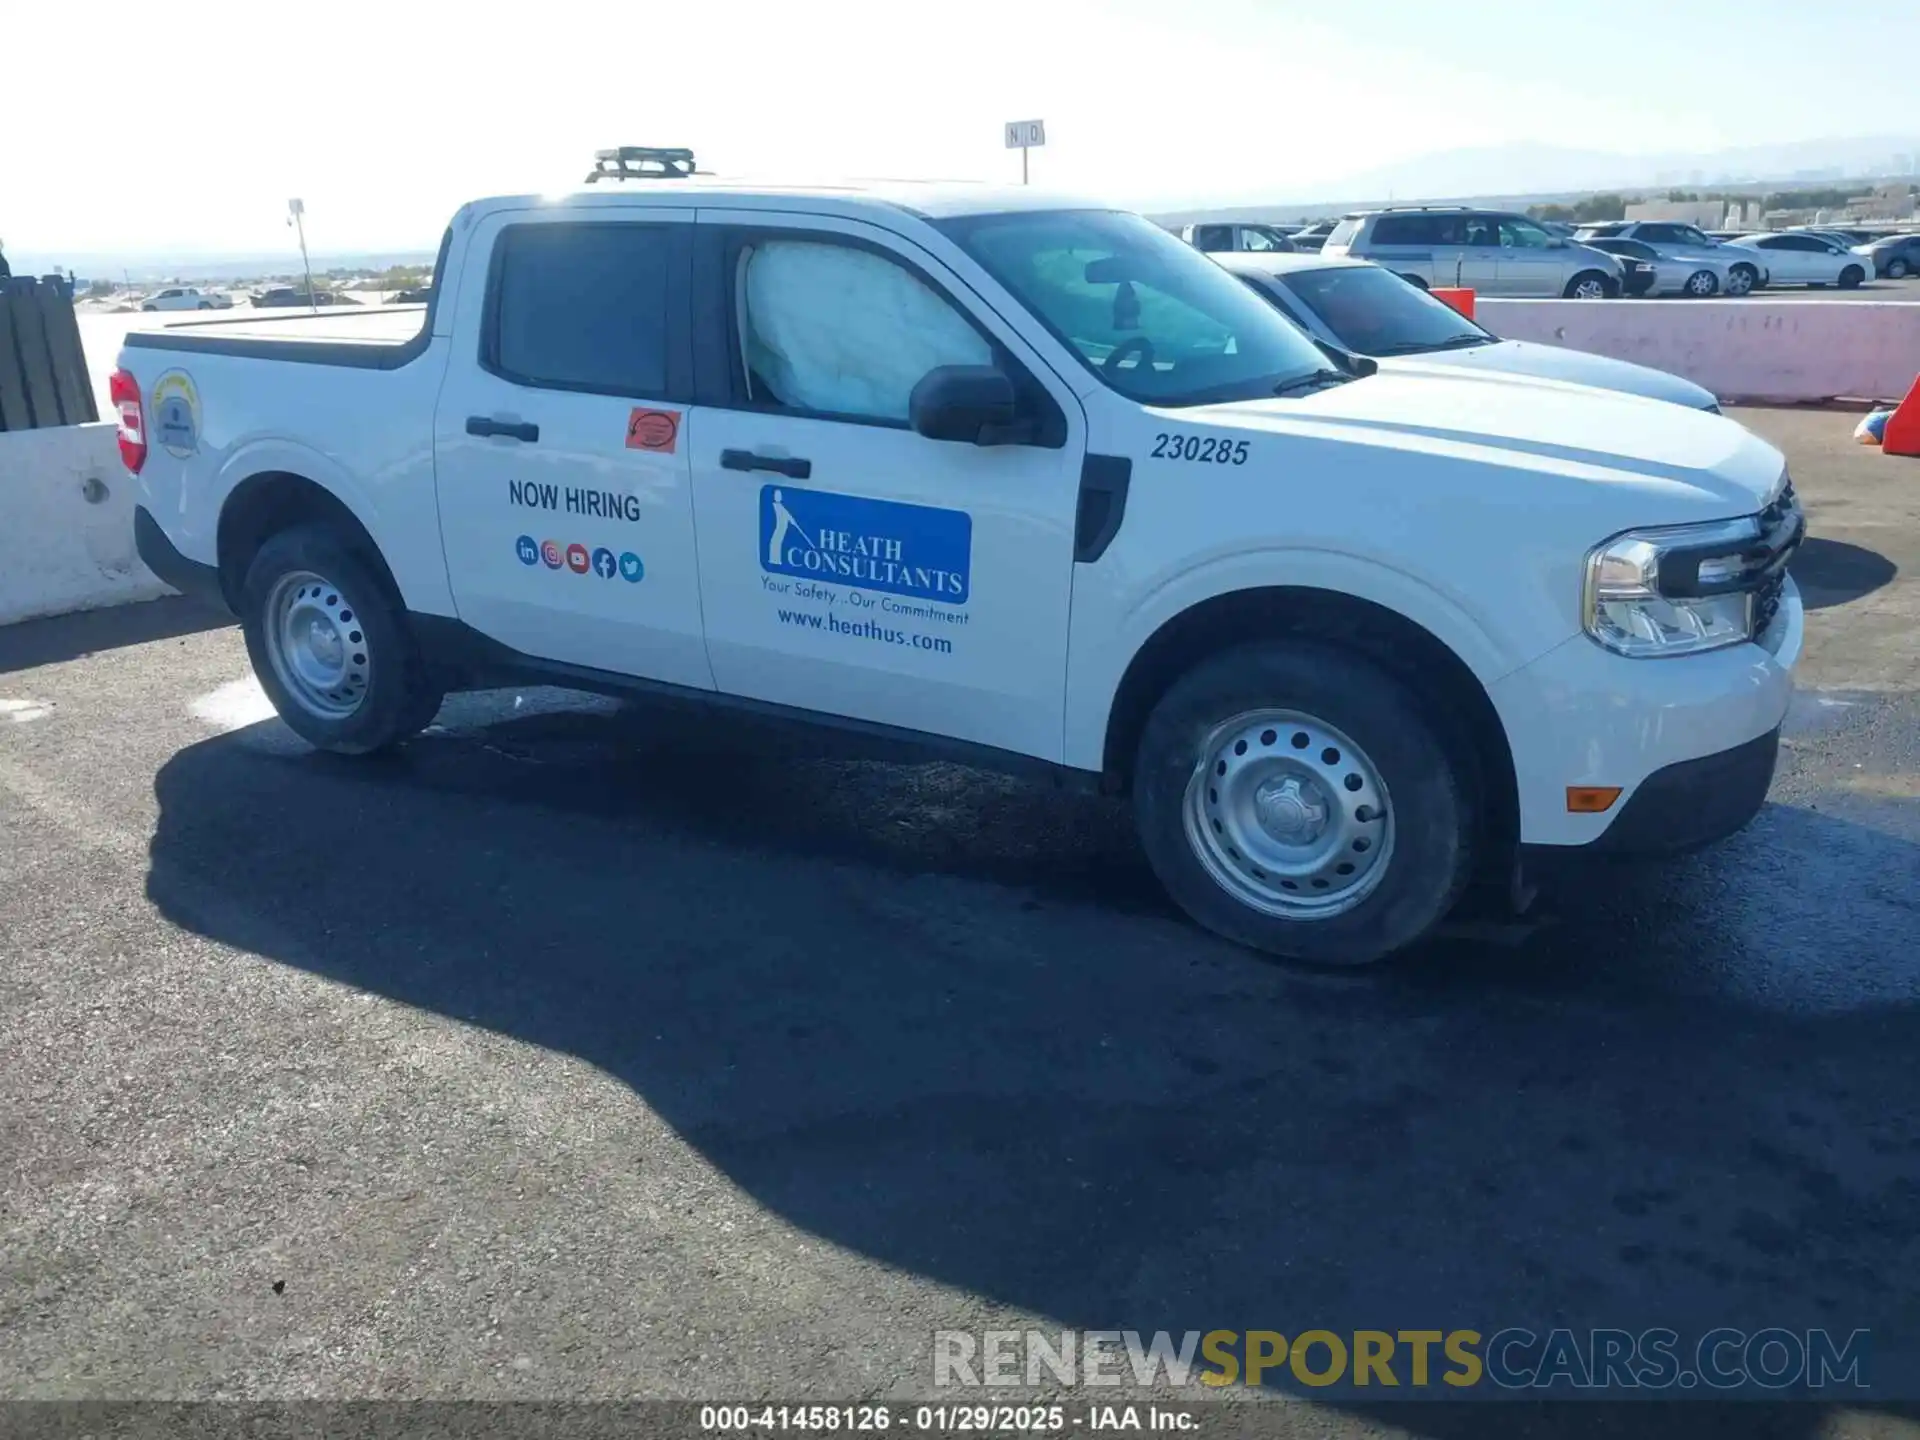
(565, 505)
(1479, 264)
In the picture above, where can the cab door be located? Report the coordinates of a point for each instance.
(566, 508)
(849, 565)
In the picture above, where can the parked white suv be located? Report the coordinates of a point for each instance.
(1031, 484)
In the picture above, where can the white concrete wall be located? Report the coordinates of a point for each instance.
(66, 524)
(1752, 349)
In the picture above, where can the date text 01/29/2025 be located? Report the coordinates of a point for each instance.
(945, 1419)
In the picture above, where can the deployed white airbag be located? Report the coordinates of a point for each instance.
(845, 331)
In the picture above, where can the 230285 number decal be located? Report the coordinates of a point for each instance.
(1200, 449)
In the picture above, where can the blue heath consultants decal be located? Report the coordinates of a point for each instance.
(912, 550)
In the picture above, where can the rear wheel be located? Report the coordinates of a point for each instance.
(1897, 270)
(1290, 797)
(1742, 279)
(204, 305)
(331, 646)
(1589, 285)
(1702, 283)
(1852, 277)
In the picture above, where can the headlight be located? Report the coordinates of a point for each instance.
(1682, 589)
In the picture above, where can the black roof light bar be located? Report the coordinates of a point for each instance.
(640, 162)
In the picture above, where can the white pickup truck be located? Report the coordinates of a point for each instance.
(1036, 485)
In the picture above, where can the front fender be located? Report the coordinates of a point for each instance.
(1101, 652)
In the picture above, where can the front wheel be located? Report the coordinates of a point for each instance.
(1741, 280)
(1291, 798)
(203, 305)
(149, 309)
(331, 645)
(1852, 277)
(1701, 284)
(1589, 285)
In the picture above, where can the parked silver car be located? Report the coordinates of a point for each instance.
(1489, 251)
(1364, 310)
(1678, 241)
(1222, 238)
(1695, 275)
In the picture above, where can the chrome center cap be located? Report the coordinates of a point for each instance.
(1290, 810)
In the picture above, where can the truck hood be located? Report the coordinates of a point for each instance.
(1703, 465)
(1556, 362)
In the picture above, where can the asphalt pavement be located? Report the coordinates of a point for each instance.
(579, 1052)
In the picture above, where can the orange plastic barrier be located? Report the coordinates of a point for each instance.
(1461, 300)
(1903, 426)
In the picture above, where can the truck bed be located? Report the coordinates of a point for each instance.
(374, 337)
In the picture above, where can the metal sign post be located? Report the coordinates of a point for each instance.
(296, 217)
(1023, 135)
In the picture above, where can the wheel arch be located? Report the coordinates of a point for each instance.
(270, 501)
(1461, 707)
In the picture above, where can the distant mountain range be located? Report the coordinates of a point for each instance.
(1509, 174)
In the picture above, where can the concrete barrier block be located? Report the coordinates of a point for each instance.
(1753, 349)
(66, 524)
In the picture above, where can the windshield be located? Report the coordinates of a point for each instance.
(1152, 318)
(1375, 312)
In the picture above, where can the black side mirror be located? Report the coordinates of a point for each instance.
(971, 404)
(1348, 362)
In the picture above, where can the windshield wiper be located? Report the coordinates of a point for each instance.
(1423, 347)
(1313, 380)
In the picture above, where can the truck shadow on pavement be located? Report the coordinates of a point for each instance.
(947, 1021)
(58, 638)
(1834, 572)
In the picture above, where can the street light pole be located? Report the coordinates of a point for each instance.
(296, 217)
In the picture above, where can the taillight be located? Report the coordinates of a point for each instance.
(124, 391)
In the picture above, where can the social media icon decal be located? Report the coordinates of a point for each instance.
(577, 559)
(551, 553)
(604, 564)
(528, 549)
(631, 570)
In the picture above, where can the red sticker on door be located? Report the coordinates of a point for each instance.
(655, 430)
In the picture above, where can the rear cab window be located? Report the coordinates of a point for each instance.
(581, 306)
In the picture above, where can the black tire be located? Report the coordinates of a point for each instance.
(1852, 277)
(1742, 280)
(146, 309)
(1432, 840)
(1896, 269)
(203, 305)
(400, 696)
(1590, 285)
(1415, 281)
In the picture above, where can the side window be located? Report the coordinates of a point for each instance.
(1252, 239)
(1522, 234)
(1212, 238)
(582, 307)
(1481, 230)
(841, 331)
(1397, 230)
(1343, 233)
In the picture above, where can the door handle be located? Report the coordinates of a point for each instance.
(779, 464)
(512, 429)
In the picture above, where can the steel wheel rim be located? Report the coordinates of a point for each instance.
(317, 645)
(1288, 815)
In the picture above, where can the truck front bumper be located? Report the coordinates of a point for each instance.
(1690, 742)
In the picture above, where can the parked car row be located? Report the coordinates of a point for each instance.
(187, 297)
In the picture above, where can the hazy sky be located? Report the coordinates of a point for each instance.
(164, 133)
